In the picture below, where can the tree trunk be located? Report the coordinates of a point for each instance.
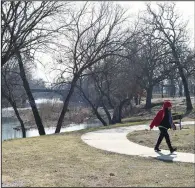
(172, 88)
(149, 97)
(162, 91)
(180, 90)
(194, 93)
(99, 116)
(139, 101)
(184, 80)
(187, 93)
(136, 99)
(13, 104)
(120, 113)
(94, 109)
(30, 96)
(117, 114)
(121, 107)
(108, 114)
(115, 118)
(65, 105)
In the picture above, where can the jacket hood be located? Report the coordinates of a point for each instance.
(167, 104)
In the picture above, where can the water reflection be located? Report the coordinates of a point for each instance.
(8, 131)
(9, 123)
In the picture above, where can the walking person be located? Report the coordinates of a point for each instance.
(163, 121)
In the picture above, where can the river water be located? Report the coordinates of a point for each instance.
(8, 124)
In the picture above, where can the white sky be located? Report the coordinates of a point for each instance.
(184, 7)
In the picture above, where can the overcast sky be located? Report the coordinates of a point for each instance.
(184, 7)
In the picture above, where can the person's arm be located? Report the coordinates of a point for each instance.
(172, 125)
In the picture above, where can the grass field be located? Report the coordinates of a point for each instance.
(182, 139)
(63, 160)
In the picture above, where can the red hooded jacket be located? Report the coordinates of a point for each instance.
(160, 115)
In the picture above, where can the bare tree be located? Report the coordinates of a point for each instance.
(113, 83)
(188, 62)
(172, 31)
(125, 85)
(95, 104)
(115, 80)
(12, 89)
(94, 34)
(25, 27)
(154, 58)
(100, 84)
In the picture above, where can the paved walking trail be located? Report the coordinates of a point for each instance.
(115, 140)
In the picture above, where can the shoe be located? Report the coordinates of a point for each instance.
(173, 149)
(157, 149)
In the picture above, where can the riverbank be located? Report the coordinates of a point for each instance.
(31, 163)
(50, 112)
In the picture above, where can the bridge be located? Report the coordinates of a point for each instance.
(39, 93)
(48, 90)
(61, 92)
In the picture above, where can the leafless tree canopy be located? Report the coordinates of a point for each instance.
(91, 40)
(170, 29)
(25, 25)
(96, 49)
(24, 29)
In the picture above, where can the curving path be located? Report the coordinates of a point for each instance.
(115, 140)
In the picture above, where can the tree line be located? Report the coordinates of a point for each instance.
(97, 50)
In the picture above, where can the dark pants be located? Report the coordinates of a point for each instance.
(163, 133)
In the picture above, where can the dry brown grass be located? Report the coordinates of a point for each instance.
(64, 160)
(49, 114)
(182, 139)
(50, 111)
